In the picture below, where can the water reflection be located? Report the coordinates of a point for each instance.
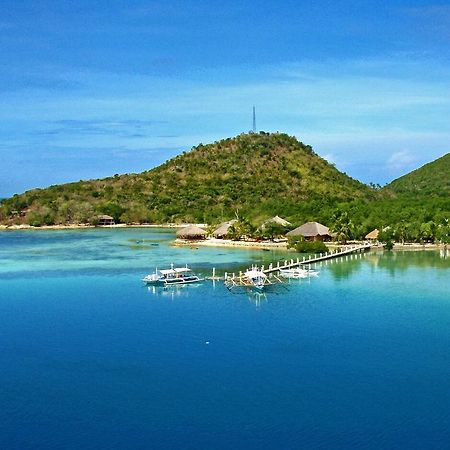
(395, 262)
(341, 268)
(173, 292)
(256, 297)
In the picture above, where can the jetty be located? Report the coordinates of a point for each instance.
(316, 258)
(272, 269)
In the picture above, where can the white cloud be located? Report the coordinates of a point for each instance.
(360, 118)
(401, 160)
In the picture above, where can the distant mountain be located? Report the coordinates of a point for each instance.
(259, 175)
(432, 179)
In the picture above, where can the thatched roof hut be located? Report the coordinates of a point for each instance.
(373, 235)
(191, 232)
(313, 231)
(278, 220)
(104, 219)
(222, 230)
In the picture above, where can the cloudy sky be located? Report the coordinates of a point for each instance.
(93, 88)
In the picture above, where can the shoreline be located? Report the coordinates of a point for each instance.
(87, 226)
(269, 245)
(214, 242)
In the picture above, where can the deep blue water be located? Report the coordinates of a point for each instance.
(90, 359)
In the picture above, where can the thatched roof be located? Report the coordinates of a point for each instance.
(105, 217)
(278, 220)
(310, 229)
(191, 231)
(222, 229)
(373, 234)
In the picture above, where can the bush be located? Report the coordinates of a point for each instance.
(386, 236)
(300, 245)
(273, 230)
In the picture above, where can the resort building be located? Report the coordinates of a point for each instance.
(191, 232)
(222, 230)
(312, 231)
(278, 220)
(373, 235)
(105, 220)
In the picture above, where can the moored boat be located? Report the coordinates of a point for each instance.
(298, 272)
(255, 278)
(172, 276)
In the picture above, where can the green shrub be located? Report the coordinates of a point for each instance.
(386, 236)
(299, 244)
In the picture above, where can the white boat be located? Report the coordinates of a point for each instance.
(255, 278)
(172, 276)
(298, 272)
(312, 273)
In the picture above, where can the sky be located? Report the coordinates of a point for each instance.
(92, 88)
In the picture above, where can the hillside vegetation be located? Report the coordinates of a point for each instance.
(432, 179)
(258, 175)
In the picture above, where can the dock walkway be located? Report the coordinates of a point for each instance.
(272, 269)
(316, 258)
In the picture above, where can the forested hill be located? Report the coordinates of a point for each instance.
(432, 179)
(259, 175)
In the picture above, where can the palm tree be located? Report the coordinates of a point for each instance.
(342, 226)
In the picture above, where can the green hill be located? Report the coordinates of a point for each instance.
(432, 179)
(258, 174)
(416, 206)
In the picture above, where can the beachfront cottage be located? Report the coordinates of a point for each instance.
(312, 231)
(191, 232)
(105, 220)
(277, 220)
(222, 230)
(373, 235)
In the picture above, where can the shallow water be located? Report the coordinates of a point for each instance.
(358, 357)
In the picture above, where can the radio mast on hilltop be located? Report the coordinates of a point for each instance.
(254, 119)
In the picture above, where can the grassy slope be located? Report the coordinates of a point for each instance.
(258, 174)
(432, 179)
(420, 196)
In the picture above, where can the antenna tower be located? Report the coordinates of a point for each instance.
(254, 120)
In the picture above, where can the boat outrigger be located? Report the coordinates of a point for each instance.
(172, 276)
(253, 278)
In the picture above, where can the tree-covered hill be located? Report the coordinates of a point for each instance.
(432, 179)
(259, 175)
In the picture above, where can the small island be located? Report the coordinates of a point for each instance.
(249, 188)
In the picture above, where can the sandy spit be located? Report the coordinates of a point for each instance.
(83, 226)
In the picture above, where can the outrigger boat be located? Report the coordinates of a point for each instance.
(172, 276)
(253, 278)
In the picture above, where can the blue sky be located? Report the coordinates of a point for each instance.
(93, 88)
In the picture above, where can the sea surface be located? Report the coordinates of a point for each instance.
(358, 357)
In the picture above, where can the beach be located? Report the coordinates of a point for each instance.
(214, 242)
(76, 226)
(332, 246)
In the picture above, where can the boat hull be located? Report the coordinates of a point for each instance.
(171, 282)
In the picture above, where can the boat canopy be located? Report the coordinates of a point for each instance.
(255, 274)
(181, 269)
(174, 270)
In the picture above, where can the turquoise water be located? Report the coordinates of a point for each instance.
(356, 358)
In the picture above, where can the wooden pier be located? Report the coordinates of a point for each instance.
(272, 269)
(316, 258)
